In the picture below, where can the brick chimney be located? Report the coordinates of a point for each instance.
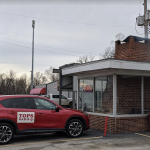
(133, 48)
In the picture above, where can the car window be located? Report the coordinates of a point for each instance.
(22, 103)
(5, 102)
(44, 104)
(63, 97)
(55, 96)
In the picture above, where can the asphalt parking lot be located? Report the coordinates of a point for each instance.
(92, 139)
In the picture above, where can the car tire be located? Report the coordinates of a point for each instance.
(74, 128)
(70, 105)
(6, 133)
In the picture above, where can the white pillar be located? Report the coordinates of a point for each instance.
(114, 94)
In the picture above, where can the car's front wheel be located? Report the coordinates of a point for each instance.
(6, 133)
(74, 128)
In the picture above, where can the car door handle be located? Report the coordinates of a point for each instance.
(12, 112)
(53, 111)
(40, 114)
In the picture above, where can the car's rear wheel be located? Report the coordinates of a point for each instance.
(74, 128)
(70, 105)
(6, 133)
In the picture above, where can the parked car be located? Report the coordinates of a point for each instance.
(30, 114)
(64, 100)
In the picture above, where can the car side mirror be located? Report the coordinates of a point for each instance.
(57, 109)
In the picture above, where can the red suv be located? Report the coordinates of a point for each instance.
(27, 114)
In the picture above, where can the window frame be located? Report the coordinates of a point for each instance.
(87, 78)
(114, 96)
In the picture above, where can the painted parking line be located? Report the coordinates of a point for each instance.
(56, 141)
(142, 135)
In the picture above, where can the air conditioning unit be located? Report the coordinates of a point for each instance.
(147, 15)
(140, 20)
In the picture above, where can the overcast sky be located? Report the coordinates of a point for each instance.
(64, 30)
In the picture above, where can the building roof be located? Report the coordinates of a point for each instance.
(106, 64)
(136, 38)
(68, 65)
(52, 82)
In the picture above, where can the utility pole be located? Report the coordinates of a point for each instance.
(33, 26)
(145, 21)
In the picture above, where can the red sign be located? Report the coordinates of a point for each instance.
(88, 89)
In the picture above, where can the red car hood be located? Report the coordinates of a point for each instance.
(74, 110)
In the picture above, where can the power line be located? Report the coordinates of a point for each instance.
(13, 63)
(8, 63)
(51, 47)
(39, 49)
(63, 21)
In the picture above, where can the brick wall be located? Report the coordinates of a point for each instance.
(120, 125)
(132, 124)
(129, 94)
(133, 50)
(98, 122)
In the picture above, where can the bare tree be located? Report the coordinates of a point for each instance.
(109, 52)
(39, 78)
(50, 75)
(84, 59)
(2, 83)
(11, 84)
(120, 36)
(91, 58)
(21, 85)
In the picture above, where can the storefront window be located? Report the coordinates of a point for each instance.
(128, 94)
(86, 95)
(99, 91)
(104, 94)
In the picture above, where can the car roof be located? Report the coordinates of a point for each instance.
(17, 96)
(13, 96)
